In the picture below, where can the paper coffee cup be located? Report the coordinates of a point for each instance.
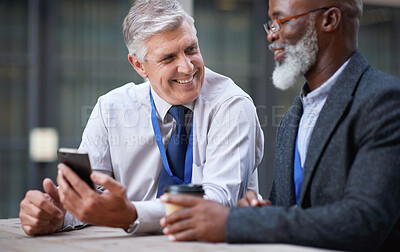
(188, 189)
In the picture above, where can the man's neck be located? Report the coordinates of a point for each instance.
(325, 68)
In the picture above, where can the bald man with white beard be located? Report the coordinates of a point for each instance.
(337, 162)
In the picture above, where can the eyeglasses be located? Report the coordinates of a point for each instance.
(274, 25)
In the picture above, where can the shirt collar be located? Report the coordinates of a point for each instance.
(162, 106)
(322, 91)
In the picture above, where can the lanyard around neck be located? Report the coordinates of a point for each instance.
(189, 151)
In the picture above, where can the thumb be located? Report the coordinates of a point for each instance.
(108, 183)
(252, 198)
(51, 189)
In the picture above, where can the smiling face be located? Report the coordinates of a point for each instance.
(298, 59)
(295, 45)
(173, 65)
(292, 31)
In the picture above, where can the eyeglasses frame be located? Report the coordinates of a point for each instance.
(268, 26)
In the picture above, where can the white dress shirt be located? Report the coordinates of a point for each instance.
(227, 144)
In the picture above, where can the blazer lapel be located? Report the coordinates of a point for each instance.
(338, 100)
(284, 157)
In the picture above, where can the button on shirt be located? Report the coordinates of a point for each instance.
(313, 102)
(227, 144)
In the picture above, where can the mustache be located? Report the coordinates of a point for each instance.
(276, 46)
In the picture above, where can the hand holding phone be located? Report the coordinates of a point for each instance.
(78, 161)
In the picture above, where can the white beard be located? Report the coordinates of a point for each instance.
(299, 58)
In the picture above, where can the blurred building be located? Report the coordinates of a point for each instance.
(58, 56)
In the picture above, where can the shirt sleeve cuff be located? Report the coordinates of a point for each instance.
(71, 223)
(149, 215)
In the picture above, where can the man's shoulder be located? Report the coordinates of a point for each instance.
(377, 85)
(218, 88)
(363, 82)
(128, 93)
(370, 78)
(379, 80)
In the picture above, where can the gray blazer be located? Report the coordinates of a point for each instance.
(350, 195)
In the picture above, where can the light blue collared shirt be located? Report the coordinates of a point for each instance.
(313, 102)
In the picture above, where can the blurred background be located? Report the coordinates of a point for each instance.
(58, 56)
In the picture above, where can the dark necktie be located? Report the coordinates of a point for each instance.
(176, 150)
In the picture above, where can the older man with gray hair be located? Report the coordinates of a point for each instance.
(187, 124)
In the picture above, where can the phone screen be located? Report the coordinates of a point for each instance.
(78, 161)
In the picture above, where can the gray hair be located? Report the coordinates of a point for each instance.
(147, 18)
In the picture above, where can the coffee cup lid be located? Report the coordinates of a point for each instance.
(187, 188)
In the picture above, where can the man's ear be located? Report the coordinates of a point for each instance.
(331, 19)
(137, 65)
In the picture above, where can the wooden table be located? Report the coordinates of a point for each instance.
(97, 239)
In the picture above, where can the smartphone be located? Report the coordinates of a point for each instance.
(78, 161)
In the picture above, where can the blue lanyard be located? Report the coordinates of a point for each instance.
(297, 174)
(189, 151)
